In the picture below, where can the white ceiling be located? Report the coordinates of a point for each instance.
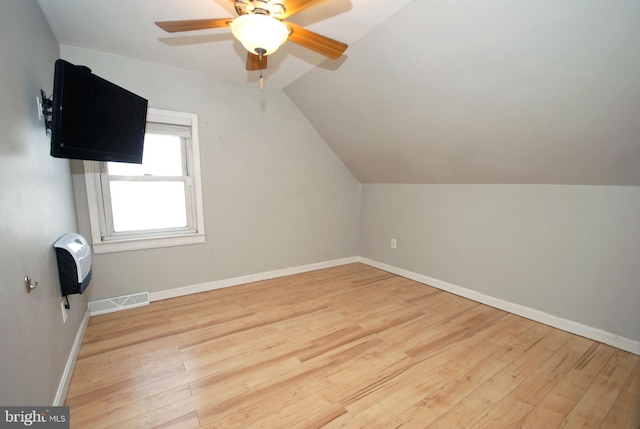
(126, 27)
(429, 91)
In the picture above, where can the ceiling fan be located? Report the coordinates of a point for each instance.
(261, 29)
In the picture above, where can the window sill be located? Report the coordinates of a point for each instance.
(126, 245)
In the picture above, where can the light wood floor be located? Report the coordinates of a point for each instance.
(345, 347)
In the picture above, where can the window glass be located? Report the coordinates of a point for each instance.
(162, 156)
(147, 205)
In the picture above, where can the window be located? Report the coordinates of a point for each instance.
(154, 204)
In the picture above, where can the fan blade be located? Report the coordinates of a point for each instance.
(322, 45)
(254, 63)
(294, 6)
(193, 24)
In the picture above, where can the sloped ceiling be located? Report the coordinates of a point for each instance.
(492, 91)
(430, 91)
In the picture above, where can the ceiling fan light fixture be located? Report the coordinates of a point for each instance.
(257, 31)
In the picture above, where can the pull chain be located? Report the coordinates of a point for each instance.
(260, 52)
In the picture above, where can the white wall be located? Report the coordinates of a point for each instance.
(275, 196)
(36, 208)
(569, 251)
(492, 91)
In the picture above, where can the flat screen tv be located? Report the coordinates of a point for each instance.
(94, 119)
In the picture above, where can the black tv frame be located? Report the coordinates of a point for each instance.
(91, 118)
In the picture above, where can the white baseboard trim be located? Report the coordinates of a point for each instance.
(520, 310)
(65, 380)
(219, 284)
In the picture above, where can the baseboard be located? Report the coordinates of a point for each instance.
(520, 310)
(63, 386)
(219, 284)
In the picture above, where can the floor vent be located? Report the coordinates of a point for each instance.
(118, 303)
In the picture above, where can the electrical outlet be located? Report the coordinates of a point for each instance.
(394, 243)
(65, 312)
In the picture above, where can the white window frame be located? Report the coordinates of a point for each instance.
(105, 240)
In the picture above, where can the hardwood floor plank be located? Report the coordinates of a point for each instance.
(247, 408)
(557, 404)
(543, 379)
(625, 412)
(458, 329)
(438, 402)
(120, 388)
(244, 377)
(120, 415)
(628, 400)
(331, 415)
(297, 411)
(293, 385)
(423, 375)
(344, 347)
(187, 421)
(514, 408)
(474, 407)
(597, 400)
(133, 373)
(516, 337)
(173, 417)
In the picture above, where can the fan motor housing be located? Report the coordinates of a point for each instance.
(263, 7)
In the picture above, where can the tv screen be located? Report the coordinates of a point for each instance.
(94, 119)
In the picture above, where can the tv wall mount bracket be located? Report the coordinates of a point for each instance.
(46, 110)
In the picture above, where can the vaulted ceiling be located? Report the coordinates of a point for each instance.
(429, 91)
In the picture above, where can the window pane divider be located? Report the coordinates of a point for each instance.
(148, 178)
